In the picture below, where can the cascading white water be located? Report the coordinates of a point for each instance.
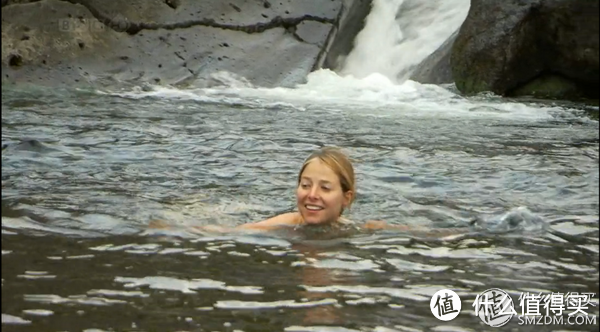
(399, 34)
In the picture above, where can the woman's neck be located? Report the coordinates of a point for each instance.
(339, 221)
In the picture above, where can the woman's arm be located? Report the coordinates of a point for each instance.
(286, 219)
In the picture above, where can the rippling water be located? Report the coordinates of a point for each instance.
(83, 173)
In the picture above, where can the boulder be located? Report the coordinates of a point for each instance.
(436, 68)
(543, 47)
(176, 42)
(351, 24)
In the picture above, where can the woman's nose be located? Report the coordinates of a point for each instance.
(313, 193)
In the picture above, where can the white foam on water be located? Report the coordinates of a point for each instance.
(373, 95)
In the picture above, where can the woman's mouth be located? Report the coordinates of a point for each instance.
(313, 208)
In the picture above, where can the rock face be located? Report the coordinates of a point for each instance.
(353, 21)
(180, 42)
(545, 48)
(436, 68)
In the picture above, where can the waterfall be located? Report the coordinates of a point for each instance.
(399, 34)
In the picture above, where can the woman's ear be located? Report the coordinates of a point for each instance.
(348, 196)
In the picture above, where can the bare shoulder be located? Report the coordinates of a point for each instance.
(286, 219)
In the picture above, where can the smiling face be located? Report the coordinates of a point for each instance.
(320, 195)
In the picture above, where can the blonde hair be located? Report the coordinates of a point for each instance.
(339, 163)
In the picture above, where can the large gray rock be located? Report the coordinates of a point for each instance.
(351, 23)
(179, 42)
(436, 68)
(517, 46)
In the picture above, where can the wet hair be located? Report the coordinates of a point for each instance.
(339, 163)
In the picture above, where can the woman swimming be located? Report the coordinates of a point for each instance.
(325, 189)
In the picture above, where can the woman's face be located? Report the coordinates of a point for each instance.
(319, 195)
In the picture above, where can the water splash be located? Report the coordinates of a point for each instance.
(399, 34)
(516, 220)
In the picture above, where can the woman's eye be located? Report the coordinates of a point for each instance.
(326, 188)
(305, 186)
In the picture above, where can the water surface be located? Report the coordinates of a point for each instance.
(83, 172)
